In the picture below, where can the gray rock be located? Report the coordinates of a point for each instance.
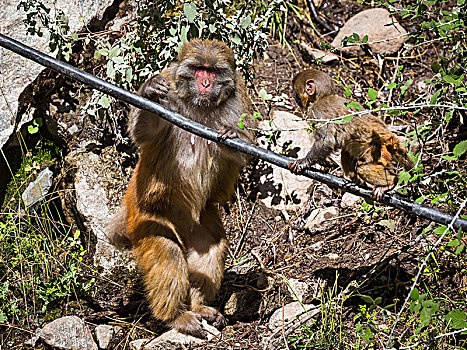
(138, 344)
(280, 189)
(321, 218)
(68, 333)
(322, 56)
(297, 289)
(104, 334)
(38, 189)
(174, 340)
(378, 25)
(19, 72)
(98, 183)
(350, 200)
(291, 312)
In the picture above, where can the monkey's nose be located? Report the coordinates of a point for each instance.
(206, 83)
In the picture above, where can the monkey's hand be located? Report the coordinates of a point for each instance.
(227, 133)
(379, 191)
(156, 88)
(299, 165)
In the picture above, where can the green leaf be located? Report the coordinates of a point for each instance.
(378, 300)
(406, 86)
(434, 98)
(241, 125)
(460, 148)
(264, 95)
(367, 299)
(355, 105)
(368, 335)
(190, 11)
(110, 69)
(74, 36)
(365, 39)
(236, 40)
(460, 249)
(414, 295)
(454, 243)
(456, 318)
(372, 94)
(245, 22)
(392, 86)
(32, 129)
(183, 35)
(104, 102)
(436, 66)
(129, 74)
(404, 177)
(439, 230)
(114, 52)
(118, 60)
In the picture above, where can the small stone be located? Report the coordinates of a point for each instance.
(333, 256)
(104, 334)
(38, 189)
(320, 217)
(68, 333)
(350, 200)
(297, 289)
(73, 129)
(290, 312)
(138, 344)
(322, 56)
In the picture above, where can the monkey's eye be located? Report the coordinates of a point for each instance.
(205, 68)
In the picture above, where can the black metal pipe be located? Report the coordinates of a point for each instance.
(211, 134)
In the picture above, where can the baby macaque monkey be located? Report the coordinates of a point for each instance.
(368, 148)
(169, 216)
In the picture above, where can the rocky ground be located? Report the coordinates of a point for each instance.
(295, 244)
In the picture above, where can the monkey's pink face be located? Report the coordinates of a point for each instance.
(204, 79)
(204, 83)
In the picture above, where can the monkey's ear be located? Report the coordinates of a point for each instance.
(310, 87)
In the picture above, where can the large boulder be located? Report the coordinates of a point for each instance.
(379, 26)
(279, 188)
(17, 71)
(96, 183)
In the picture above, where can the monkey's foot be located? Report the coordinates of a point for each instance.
(226, 133)
(213, 316)
(189, 323)
(157, 88)
(298, 165)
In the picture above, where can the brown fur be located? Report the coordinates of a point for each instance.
(171, 205)
(369, 149)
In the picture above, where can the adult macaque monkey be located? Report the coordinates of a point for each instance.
(368, 148)
(169, 214)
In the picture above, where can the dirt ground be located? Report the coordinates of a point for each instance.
(272, 246)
